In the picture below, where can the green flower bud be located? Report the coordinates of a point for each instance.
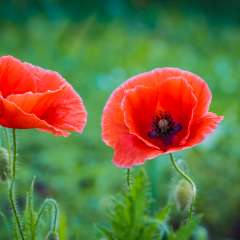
(4, 165)
(184, 195)
(52, 236)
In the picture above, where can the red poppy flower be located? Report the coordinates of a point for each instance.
(157, 112)
(32, 97)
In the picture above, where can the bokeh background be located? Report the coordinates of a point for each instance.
(96, 45)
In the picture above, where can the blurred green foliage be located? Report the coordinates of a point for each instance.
(128, 10)
(95, 58)
(130, 217)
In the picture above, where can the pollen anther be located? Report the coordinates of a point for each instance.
(163, 125)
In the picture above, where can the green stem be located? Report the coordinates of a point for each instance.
(188, 179)
(8, 144)
(53, 203)
(14, 154)
(129, 178)
(11, 188)
(31, 206)
(14, 209)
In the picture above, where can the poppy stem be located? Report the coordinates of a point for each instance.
(7, 143)
(129, 178)
(14, 154)
(11, 186)
(188, 179)
(14, 208)
(48, 202)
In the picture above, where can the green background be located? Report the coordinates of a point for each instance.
(98, 45)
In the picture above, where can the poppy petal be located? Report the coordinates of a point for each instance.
(113, 125)
(15, 78)
(141, 104)
(199, 86)
(177, 98)
(44, 96)
(202, 93)
(130, 151)
(12, 115)
(203, 127)
(61, 108)
(35, 103)
(45, 79)
(68, 111)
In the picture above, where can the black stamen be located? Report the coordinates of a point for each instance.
(164, 127)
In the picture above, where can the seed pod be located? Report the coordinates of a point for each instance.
(184, 195)
(4, 165)
(52, 236)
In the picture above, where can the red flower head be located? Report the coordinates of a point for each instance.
(32, 97)
(157, 112)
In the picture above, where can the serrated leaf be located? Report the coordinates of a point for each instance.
(186, 231)
(130, 215)
(106, 232)
(164, 213)
(29, 214)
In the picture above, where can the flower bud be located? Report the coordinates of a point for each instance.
(4, 165)
(52, 236)
(184, 195)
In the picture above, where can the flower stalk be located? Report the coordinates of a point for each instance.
(14, 209)
(6, 133)
(128, 174)
(55, 216)
(188, 179)
(11, 192)
(14, 154)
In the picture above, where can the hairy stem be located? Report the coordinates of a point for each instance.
(14, 209)
(54, 204)
(11, 187)
(188, 179)
(7, 143)
(14, 154)
(128, 174)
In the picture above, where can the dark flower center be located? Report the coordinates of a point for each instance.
(164, 127)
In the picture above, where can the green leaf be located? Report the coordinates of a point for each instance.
(164, 213)
(29, 214)
(185, 231)
(130, 216)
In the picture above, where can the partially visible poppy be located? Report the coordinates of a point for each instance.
(32, 97)
(157, 112)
